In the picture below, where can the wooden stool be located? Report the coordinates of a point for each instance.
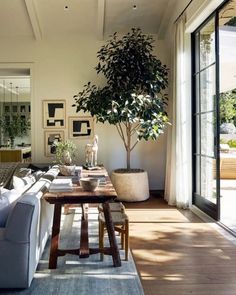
(121, 225)
(114, 207)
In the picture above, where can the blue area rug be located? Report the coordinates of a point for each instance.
(88, 276)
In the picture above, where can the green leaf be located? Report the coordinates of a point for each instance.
(135, 81)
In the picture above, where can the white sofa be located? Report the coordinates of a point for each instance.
(25, 234)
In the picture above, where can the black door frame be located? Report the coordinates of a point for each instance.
(202, 203)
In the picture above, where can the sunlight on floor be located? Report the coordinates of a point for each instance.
(228, 202)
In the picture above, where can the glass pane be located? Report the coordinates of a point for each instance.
(208, 180)
(14, 108)
(208, 89)
(207, 134)
(207, 44)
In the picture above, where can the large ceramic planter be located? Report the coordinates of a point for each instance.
(131, 186)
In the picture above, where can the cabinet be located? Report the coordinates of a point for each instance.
(15, 155)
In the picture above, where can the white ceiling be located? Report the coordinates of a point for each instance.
(44, 18)
(14, 19)
(120, 15)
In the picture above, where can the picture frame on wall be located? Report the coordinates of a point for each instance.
(81, 127)
(50, 137)
(54, 114)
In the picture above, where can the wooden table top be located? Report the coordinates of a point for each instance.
(102, 194)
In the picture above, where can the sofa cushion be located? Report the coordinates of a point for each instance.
(8, 200)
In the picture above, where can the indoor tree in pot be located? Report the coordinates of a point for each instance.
(133, 100)
(14, 126)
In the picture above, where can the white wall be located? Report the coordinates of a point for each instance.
(60, 69)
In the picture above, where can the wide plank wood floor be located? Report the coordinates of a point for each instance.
(177, 253)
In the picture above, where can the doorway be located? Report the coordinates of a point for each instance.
(214, 115)
(15, 110)
(205, 154)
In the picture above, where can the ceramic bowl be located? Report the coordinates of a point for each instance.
(89, 183)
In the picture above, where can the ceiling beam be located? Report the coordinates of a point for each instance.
(33, 15)
(101, 19)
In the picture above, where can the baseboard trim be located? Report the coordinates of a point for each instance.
(218, 226)
(157, 193)
(201, 214)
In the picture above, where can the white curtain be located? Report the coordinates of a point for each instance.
(178, 185)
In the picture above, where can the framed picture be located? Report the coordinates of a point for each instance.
(81, 127)
(50, 137)
(54, 114)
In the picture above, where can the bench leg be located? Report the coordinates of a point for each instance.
(111, 235)
(126, 239)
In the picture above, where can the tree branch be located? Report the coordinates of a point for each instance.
(134, 145)
(121, 133)
(134, 129)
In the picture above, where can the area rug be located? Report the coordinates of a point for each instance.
(88, 276)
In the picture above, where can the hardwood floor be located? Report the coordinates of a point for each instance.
(177, 253)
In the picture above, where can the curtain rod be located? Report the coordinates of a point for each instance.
(186, 7)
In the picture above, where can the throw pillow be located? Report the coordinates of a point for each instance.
(22, 184)
(22, 172)
(38, 174)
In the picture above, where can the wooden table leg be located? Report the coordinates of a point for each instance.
(84, 241)
(111, 235)
(55, 236)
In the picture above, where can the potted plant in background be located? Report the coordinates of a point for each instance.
(133, 100)
(64, 156)
(13, 127)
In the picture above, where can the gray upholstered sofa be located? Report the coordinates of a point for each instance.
(23, 238)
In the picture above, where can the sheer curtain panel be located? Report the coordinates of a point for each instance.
(178, 185)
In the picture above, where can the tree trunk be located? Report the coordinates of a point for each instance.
(126, 138)
(128, 149)
(128, 159)
(12, 140)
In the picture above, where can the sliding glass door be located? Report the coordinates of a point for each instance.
(214, 115)
(205, 142)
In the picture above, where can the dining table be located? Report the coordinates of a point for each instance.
(104, 194)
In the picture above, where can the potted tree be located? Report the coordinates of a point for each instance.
(13, 127)
(133, 100)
